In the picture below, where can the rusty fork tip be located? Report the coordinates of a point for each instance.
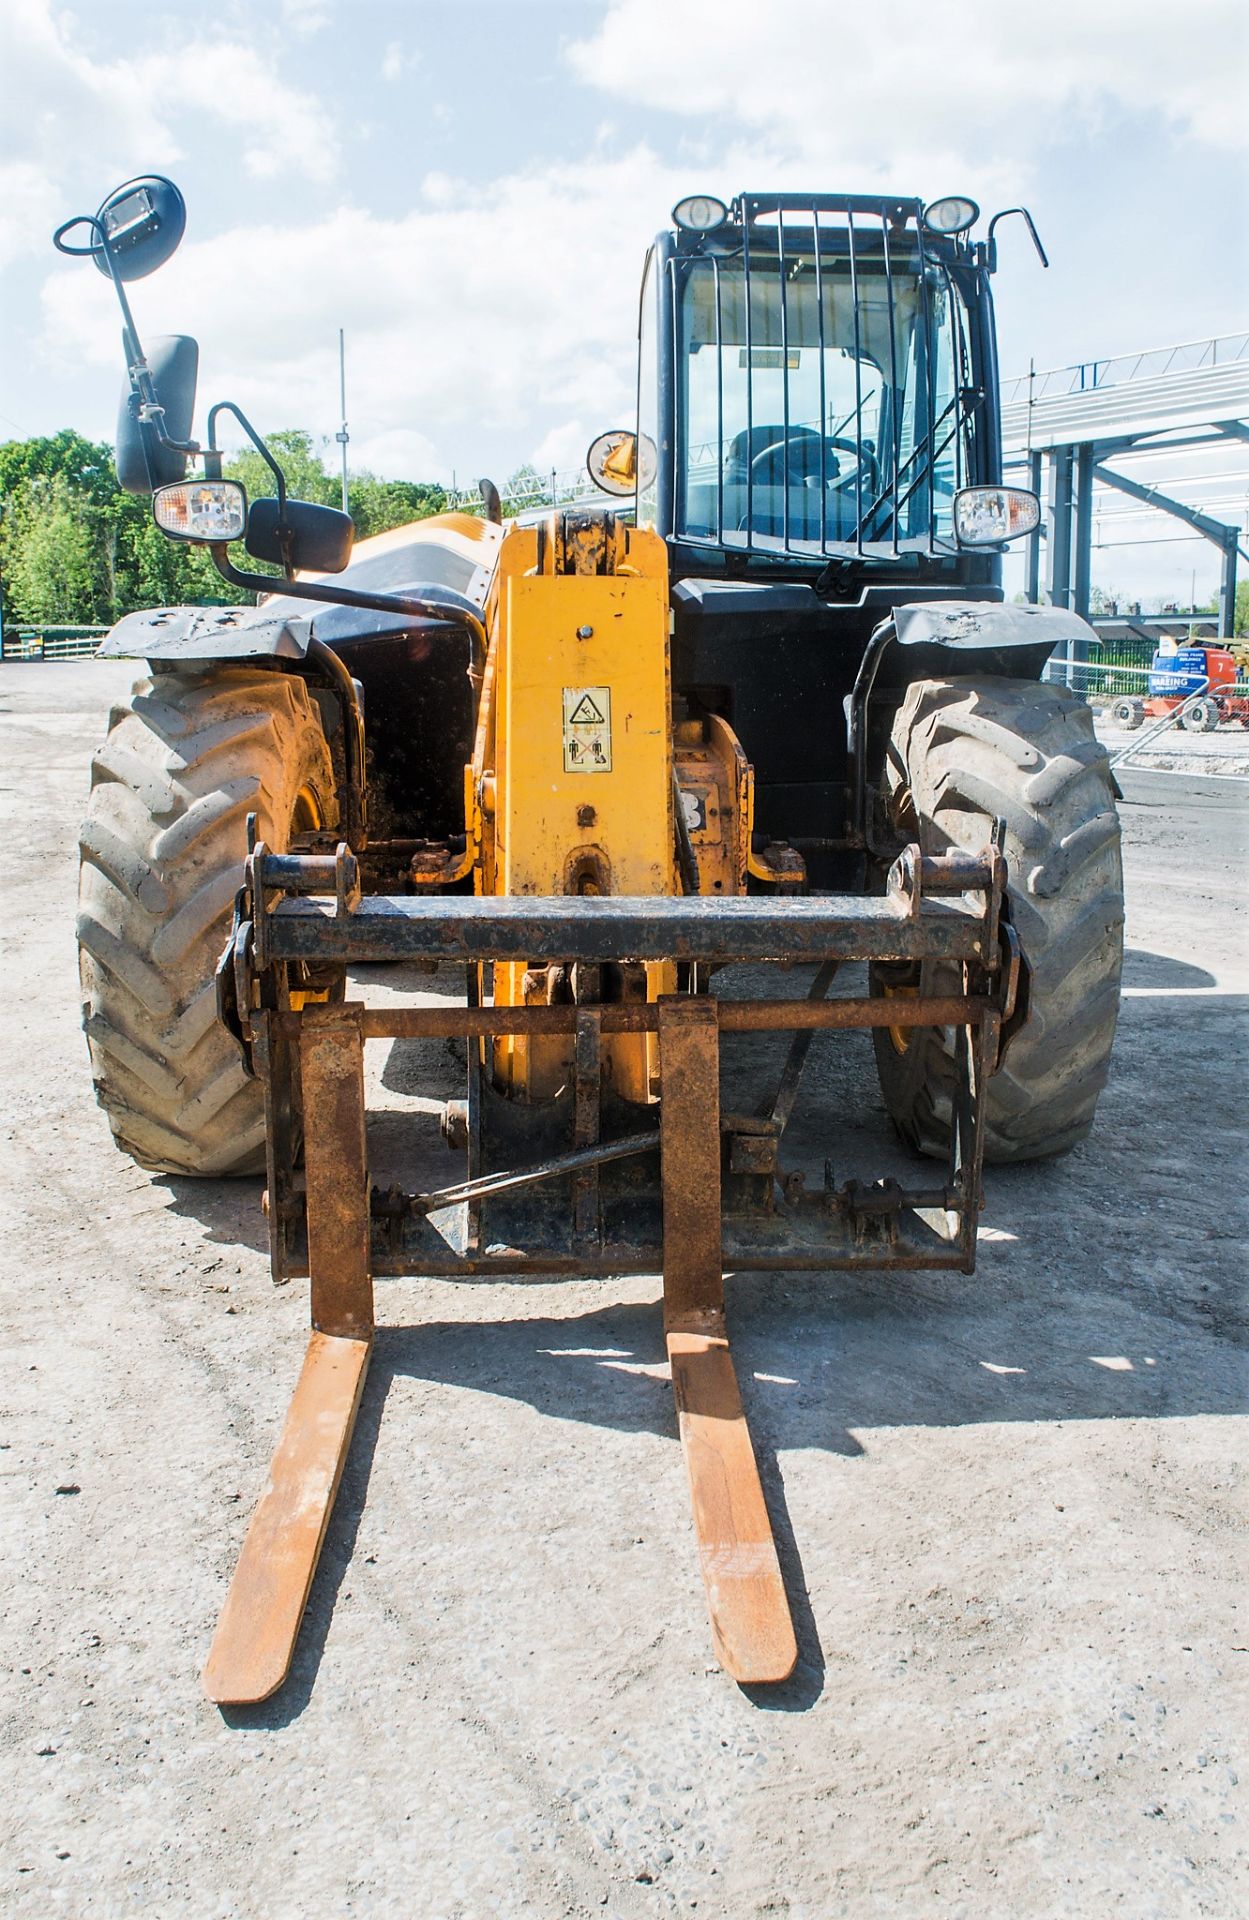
(227, 1693)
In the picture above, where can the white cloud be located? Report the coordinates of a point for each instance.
(462, 334)
(564, 447)
(306, 17)
(396, 61)
(915, 85)
(106, 118)
(501, 315)
(285, 129)
(29, 204)
(399, 453)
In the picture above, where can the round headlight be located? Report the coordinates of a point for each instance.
(700, 213)
(954, 214)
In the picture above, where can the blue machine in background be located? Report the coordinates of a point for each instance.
(1174, 676)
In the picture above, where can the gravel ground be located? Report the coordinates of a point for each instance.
(1006, 1506)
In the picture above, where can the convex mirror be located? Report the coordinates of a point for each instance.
(613, 463)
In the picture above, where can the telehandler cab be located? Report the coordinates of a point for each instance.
(768, 707)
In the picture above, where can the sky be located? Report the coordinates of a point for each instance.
(469, 191)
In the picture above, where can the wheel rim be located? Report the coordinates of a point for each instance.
(900, 1037)
(306, 815)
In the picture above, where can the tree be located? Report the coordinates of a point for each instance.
(378, 505)
(525, 488)
(52, 546)
(86, 464)
(75, 549)
(301, 464)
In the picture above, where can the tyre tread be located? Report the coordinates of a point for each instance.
(970, 752)
(162, 848)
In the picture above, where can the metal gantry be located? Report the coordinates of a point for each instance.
(1062, 427)
(1065, 426)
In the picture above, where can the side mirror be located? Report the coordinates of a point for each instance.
(142, 224)
(310, 538)
(612, 462)
(143, 463)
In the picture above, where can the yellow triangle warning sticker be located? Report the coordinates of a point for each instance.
(587, 729)
(586, 713)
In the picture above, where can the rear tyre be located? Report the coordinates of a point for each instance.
(163, 846)
(963, 753)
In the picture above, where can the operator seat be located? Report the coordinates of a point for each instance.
(782, 468)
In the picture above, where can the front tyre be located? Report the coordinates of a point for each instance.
(963, 753)
(1201, 717)
(163, 846)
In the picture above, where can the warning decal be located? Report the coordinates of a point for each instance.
(587, 729)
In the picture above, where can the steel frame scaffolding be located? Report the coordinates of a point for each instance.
(1066, 427)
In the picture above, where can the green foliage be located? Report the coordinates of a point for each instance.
(76, 550)
(378, 505)
(524, 488)
(306, 478)
(53, 549)
(86, 464)
(1240, 625)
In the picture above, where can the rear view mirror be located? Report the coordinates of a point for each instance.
(142, 224)
(612, 462)
(316, 540)
(143, 462)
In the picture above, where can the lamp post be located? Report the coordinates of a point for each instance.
(342, 435)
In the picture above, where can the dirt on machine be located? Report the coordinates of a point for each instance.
(766, 704)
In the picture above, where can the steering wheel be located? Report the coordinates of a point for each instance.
(865, 467)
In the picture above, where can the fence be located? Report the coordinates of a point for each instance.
(1110, 680)
(50, 643)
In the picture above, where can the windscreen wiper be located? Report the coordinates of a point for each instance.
(961, 403)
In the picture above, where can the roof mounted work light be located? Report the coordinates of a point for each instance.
(700, 213)
(954, 214)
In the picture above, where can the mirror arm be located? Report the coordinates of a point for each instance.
(151, 413)
(444, 605)
(991, 244)
(285, 534)
(228, 406)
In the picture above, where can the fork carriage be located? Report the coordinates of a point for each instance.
(614, 1195)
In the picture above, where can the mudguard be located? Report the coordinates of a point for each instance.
(208, 633)
(987, 623)
(987, 636)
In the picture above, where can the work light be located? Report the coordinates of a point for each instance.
(205, 510)
(984, 516)
(954, 214)
(700, 213)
